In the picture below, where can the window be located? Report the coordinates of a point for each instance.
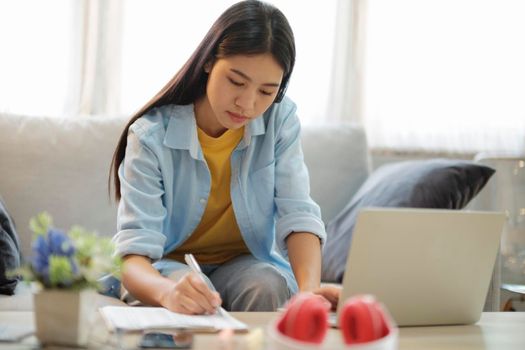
(49, 68)
(445, 75)
(159, 36)
(36, 63)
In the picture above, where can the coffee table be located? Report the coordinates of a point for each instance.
(495, 330)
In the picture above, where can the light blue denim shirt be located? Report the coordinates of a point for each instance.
(165, 184)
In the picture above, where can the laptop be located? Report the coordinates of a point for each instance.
(427, 266)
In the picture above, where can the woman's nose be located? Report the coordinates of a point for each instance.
(246, 101)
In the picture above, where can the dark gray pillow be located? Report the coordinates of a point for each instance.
(10, 251)
(434, 183)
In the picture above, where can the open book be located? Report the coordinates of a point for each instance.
(139, 318)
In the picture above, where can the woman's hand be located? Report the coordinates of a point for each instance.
(330, 293)
(304, 252)
(190, 295)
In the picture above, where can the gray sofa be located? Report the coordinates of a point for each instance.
(61, 166)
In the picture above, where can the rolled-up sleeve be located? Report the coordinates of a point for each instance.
(296, 211)
(141, 212)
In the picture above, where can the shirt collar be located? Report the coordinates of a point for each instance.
(181, 132)
(255, 127)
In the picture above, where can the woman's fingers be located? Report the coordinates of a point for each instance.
(195, 296)
(191, 295)
(202, 287)
(190, 306)
(329, 293)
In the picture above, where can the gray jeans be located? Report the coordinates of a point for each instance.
(244, 283)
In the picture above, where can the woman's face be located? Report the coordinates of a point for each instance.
(239, 88)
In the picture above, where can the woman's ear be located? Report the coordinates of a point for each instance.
(207, 67)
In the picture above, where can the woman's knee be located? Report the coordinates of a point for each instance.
(265, 290)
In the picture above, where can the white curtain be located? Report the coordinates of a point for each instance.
(159, 36)
(36, 55)
(99, 56)
(89, 57)
(60, 57)
(432, 76)
(346, 88)
(435, 75)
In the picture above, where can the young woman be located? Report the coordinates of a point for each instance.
(213, 166)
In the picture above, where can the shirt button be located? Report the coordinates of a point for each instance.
(202, 200)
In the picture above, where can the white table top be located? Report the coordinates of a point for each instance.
(495, 330)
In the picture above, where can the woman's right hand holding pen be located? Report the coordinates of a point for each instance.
(190, 295)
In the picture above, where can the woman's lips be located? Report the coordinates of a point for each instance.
(237, 118)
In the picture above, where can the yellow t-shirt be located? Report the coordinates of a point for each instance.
(217, 238)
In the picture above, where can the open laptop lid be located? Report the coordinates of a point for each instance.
(427, 266)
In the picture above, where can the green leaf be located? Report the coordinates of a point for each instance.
(24, 272)
(94, 256)
(60, 270)
(41, 223)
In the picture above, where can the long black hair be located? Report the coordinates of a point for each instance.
(246, 28)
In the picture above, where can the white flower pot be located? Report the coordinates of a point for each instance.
(64, 317)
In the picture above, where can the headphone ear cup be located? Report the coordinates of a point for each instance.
(384, 320)
(362, 320)
(305, 319)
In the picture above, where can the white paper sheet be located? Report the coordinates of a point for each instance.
(137, 318)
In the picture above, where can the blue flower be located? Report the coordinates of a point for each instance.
(59, 243)
(40, 258)
(54, 243)
(75, 259)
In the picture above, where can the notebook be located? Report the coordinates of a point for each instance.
(129, 318)
(427, 266)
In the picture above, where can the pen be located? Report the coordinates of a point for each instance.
(194, 265)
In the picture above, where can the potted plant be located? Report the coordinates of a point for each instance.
(66, 267)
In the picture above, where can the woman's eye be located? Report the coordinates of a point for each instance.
(267, 93)
(236, 83)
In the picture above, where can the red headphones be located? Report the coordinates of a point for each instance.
(362, 319)
(305, 319)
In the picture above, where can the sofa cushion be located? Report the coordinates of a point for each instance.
(338, 163)
(434, 183)
(61, 166)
